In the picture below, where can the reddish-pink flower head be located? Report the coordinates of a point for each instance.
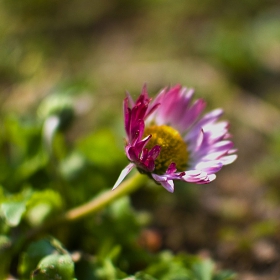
(169, 139)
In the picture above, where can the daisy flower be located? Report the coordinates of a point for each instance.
(168, 138)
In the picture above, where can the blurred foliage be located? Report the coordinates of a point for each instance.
(51, 175)
(64, 67)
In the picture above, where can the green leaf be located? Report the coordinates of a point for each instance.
(56, 104)
(42, 204)
(30, 166)
(169, 267)
(101, 148)
(71, 166)
(204, 269)
(34, 253)
(13, 212)
(5, 256)
(225, 275)
(54, 267)
(140, 276)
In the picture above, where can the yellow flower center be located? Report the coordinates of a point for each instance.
(173, 147)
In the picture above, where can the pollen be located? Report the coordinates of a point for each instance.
(173, 147)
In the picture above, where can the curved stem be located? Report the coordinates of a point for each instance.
(92, 206)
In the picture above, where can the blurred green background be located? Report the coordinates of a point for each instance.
(84, 54)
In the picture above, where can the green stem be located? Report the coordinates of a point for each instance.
(92, 206)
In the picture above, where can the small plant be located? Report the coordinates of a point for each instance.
(55, 194)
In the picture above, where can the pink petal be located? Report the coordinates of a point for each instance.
(228, 159)
(210, 167)
(167, 184)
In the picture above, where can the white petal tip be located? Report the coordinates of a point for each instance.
(168, 185)
(123, 174)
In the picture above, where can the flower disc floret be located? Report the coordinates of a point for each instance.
(173, 149)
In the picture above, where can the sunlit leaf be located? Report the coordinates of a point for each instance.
(34, 253)
(204, 269)
(41, 204)
(13, 212)
(72, 165)
(100, 148)
(54, 266)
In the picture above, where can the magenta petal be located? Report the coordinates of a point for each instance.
(167, 106)
(130, 99)
(140, 145)
(127, 116)
(131, 153)
(172, 168)
(154, 152)
(148, 165)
